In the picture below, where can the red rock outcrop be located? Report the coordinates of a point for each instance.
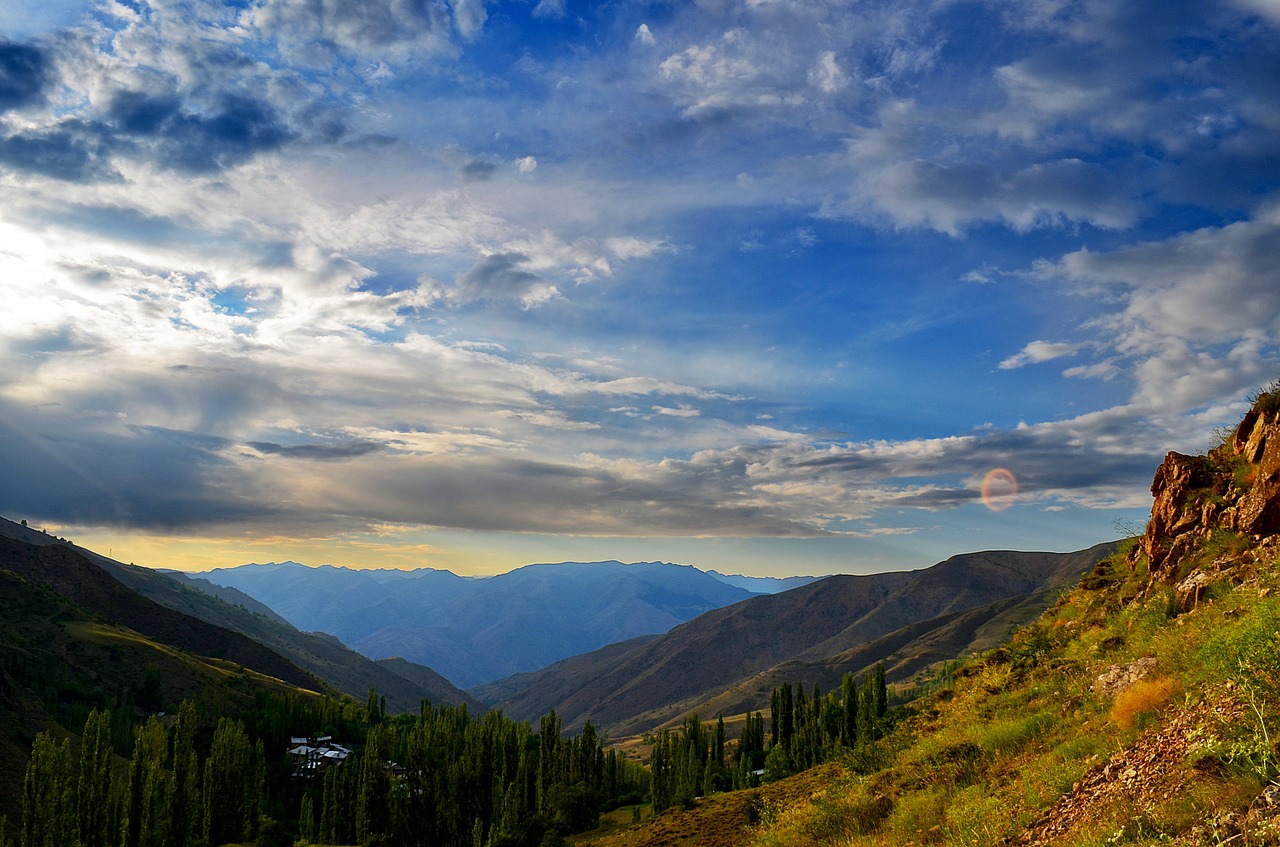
(1236, 487)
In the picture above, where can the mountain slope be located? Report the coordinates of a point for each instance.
(476, 630)
(822, 628)
(320, 655)
(75, 577)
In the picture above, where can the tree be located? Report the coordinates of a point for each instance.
(48, 803)
(232, 785)
(147, 812)
(879, 691)
(187, 806)
(849, 699)
(787, 716)
(777, 764)
(94, 784)
(307, 830)
(373, 809)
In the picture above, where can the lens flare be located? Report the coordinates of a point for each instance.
(999, 489)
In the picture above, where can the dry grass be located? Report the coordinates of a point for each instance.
(1143, 698)
(716, 821)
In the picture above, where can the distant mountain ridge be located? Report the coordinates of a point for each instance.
(474, 630)
(764, 584)
(727, 660)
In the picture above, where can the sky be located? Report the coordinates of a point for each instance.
(766, 287)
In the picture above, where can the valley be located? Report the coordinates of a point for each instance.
(995, 695)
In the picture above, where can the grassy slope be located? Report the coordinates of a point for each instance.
(319, 654)
(717, 821)
(1023, 749)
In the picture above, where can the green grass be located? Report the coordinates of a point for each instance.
(1022, 725)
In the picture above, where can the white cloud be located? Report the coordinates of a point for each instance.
(1039, 351)
(1198, 313)
(827, 75)
(469, 16)
(318, 33)
(644, 36)
(677, 412)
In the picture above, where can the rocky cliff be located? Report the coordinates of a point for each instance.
(1235, 488)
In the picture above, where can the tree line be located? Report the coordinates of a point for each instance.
(805, 729)
(439, 777)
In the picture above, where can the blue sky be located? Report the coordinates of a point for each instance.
(757, 286)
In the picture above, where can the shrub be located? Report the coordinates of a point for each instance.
(1268, 400)
(1248, 652)
(1144, 696)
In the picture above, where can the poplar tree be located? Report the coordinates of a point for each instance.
(232, 785)
(94, 784)
(849, 698)
(373, 810)
(879, 691)
(48, 802)
(187, 805)
(147, 811)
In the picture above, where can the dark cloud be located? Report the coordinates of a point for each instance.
(71, 151)
(234, 131)
(500, 277)
(317, 451)
(25, 74)
(60, 469)
(517, 494)
(477, 170)
(53, 342)
(148, 127)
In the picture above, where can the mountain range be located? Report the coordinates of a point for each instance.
(477, 630)
(706, 645)
(630, 647)
(728, 660)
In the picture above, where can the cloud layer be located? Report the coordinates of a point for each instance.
(803, 270)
